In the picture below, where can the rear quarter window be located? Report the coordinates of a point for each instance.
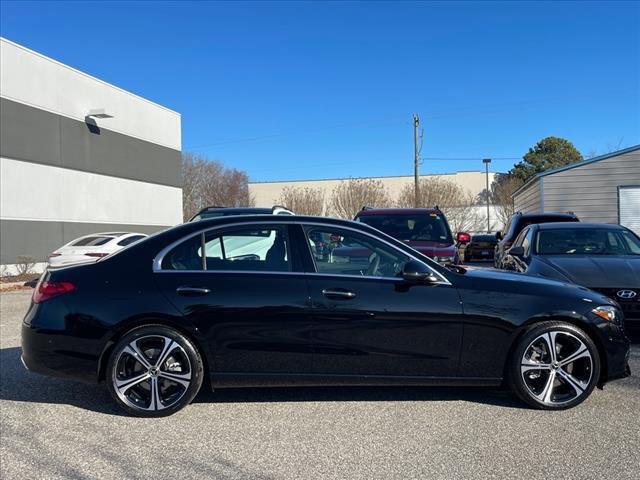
(91, 241)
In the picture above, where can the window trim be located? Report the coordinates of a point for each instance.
(305, 232)
(157, 261)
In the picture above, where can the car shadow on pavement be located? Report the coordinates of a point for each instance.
(18, 384)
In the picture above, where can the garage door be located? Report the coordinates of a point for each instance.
(629, 207)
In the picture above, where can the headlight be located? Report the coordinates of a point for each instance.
(608, 313)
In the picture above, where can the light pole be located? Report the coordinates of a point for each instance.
(486, 162)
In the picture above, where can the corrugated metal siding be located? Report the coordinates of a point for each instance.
(528, 200)
(629, 205)
(591, 191)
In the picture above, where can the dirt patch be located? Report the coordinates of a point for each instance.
(25, 277)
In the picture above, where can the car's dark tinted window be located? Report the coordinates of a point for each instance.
(91, 241)
(483, 239)
(263, 249)
(582, 241)
(341, 252)
(533, 220)
(186, 256)
(130, 240)
(430, 227)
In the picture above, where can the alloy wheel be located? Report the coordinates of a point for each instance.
(557, 367)
(152, 373)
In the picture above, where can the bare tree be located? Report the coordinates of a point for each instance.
(208, 182)
(454, 201)
(502, 190)
(302, 200)
(24, 265)
(433, 191)
(351, 195)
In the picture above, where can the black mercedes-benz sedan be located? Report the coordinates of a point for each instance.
(599, 256)
(243, 301)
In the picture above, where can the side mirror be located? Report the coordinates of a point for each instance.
(463, 237)
(499, 235)
(516, 251)
(418, 272)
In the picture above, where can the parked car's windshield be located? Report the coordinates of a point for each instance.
(430, 227)
(581, 241)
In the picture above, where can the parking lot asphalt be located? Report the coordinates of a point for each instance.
(52, 428)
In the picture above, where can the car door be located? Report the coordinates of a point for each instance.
(369, 321)
(241, 288)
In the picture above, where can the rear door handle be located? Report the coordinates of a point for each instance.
(192, 291)
(338, 294)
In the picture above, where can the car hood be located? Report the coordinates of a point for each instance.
(499, 280)
(597, 271)
(431, 249)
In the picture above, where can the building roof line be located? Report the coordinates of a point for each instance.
(91, 77)
(369, 178)
(575, 165)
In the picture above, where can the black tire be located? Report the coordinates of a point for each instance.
(178, 378)
(578, 377)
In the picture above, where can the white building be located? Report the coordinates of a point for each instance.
(267, 194)
(79, 156)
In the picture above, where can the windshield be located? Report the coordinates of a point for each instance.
(582, 241)
(431, 227)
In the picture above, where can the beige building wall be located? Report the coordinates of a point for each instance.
(267, 194)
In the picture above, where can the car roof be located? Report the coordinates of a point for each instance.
(547, 214)
(396, 211)
(236, 209)
(578, 225)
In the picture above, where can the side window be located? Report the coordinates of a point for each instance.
(185, 256)
(526, 242)
(258, 248)
(130, 240)
(520, 238)
(341, 252)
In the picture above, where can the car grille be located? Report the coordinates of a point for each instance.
(630, 306)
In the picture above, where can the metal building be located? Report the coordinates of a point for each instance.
(604, 189)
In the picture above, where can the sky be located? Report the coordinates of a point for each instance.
(307, 90)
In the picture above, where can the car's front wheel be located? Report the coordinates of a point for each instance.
(554, 366)
(154, 371)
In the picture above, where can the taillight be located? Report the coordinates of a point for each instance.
(96, 254)
(54, 254)
(47, 290)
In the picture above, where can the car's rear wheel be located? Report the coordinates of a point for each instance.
(554, 366)
(154, 371)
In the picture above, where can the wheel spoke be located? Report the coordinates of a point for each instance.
(529, 365)
(550, 338)
(569, 379)
(124, 385)
(169, 346)
(182, 379)
(133, 350)
(154, 392)
(547, 391)
(581, 353)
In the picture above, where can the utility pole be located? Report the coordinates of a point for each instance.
(416, 160)
(486, 162)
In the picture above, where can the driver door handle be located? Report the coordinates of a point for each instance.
(192, 291)
(338, 294)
